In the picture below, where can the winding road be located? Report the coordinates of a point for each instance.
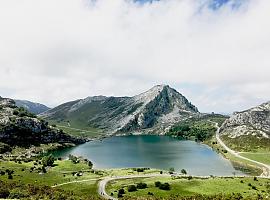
(265, 168)
(103, 183)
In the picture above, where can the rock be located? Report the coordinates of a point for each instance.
(254, 121)
(26, 131)
(152, 111)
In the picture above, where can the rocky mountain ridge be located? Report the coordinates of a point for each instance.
(254, 121)
(152, 111)
(18, 127)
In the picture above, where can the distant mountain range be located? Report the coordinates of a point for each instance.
(32, 107)
(152, 111)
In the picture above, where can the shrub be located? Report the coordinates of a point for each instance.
(132, 188)
(165, 186)
(140, 170)
(141, 185)
(15, 112)
(183, 171)
(121, 191)
(254, 187)
(73, 159)
(157, 183)
(48, 160)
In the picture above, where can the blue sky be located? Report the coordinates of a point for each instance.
(56, 51)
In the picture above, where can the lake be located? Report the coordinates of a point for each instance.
(161, 152)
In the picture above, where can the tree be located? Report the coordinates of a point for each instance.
(132, 188)
(48, 160)
(141, 185)
(157, 183)
(183, 171)
(121, 191)
(165, 186)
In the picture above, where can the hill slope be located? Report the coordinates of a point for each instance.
(32, 107)
(248, 129)
(18, 127)
(152, 111)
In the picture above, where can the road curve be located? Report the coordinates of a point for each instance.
(266, 168)
(102, 184)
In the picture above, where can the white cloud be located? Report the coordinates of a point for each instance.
(54, 51)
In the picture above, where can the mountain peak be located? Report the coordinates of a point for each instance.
(153, 110)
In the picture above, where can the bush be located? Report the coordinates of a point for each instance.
(73, 159)
(121, 191)
(183, 171)
(150, 193)
(165, 186)
(141, 185)
(15, 112)
(132, 188)
(157, 183)
(48, 160)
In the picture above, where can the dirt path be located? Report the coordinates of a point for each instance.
(265, 168)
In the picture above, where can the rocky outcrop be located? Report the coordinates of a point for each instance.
(20, 128)
(32, 107)
(154, 110)
(255, 121)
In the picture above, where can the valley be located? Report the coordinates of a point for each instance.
(120, 143)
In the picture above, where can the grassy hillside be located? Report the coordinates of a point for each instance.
(194, 188)
(199, 129)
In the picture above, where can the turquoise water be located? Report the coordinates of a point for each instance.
(160, 152)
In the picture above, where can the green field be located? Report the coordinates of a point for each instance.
(77, 129)
(248, 187)
(261, 157)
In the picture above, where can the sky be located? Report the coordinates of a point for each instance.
(215, 52)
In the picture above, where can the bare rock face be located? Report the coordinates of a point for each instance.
(255, 121)
(26, 129)
(154, 110)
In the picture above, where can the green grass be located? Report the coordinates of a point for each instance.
(77, 129)
(261, 157)
(247, 143)
(245, 166)
(183, 187)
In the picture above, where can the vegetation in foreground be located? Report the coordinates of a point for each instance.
(191, 188)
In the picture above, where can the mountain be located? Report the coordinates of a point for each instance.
(152, 111)
(32, 107)
(18, 127)
(254, 121)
